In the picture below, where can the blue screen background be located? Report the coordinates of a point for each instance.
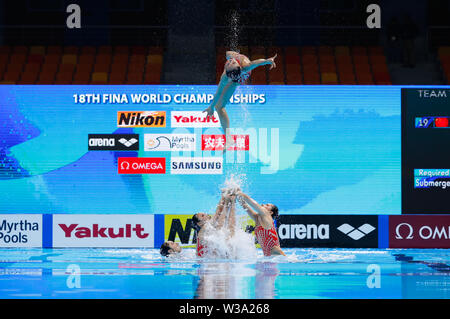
(339, 151)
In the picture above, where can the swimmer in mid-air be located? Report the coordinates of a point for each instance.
(237, 71)
(265, 231)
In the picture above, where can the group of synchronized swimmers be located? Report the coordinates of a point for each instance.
(206, 225)
(237, 71)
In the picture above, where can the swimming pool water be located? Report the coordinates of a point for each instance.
(304, 273)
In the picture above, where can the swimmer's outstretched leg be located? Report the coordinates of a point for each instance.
(224, 119)
(225, 123)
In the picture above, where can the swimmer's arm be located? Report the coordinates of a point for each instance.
(259, 62)
(253, 215)
(223, 213)
(232, 216)
(219, 209)
(258, 209)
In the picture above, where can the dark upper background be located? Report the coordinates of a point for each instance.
(183, 41)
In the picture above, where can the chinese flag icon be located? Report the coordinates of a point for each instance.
(441, 122)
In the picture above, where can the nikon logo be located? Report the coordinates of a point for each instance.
(141, 119)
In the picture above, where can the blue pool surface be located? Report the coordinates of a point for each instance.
(144, 274)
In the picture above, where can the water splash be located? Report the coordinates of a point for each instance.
(235, 180)
(235, 30)
(221, 245)
(244, 111)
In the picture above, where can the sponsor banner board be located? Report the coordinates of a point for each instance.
(141, 165)
(141, 119)
(21, 230)
(346, 231)
(196, 165)
(419, 231)
(103, 230)
(193, 119)
(217, 143)
(169, 142)
(113, 142)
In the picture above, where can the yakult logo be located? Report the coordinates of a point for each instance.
(193, 119)
(103, 230)
(142, 165)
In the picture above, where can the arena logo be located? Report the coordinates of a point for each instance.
(108, 142)
(142, 165)
(113, 142)
(169, 142)
(419, 231)
(103, 232)
(301, 231)
(328, 231)
(193, 119)
(129, 142)
(356, 233)
(141, 119)
(196, 165)
(20, 230)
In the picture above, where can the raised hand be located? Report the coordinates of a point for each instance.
(241, 201)
(272, 62)
(209, 111)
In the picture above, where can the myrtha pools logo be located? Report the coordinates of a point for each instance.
(20, 230)
(169, 142)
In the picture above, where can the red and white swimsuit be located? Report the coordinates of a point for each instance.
(201, 249)
(267, 238)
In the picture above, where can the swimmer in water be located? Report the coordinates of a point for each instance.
(237, 71)
(205, 224)
(170, 248)
(225, 207)
(264, 216)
